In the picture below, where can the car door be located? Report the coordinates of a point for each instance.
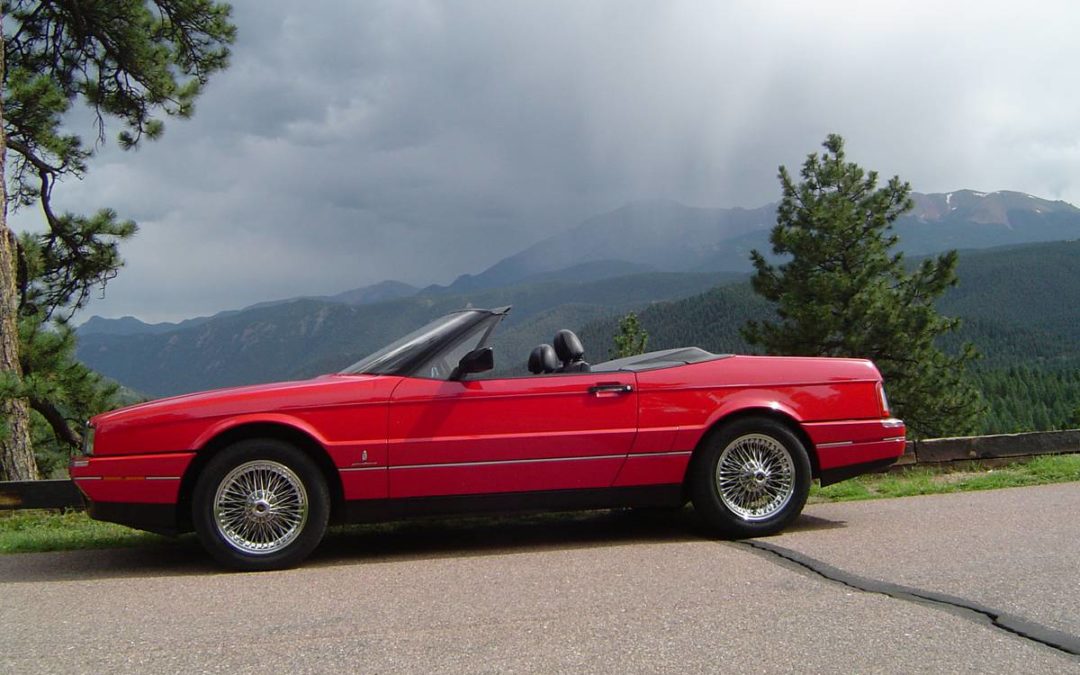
(549, 432)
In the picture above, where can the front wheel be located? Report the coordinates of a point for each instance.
(751, 478)
(260, 504)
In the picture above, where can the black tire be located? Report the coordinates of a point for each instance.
(760, 497)
(265, 529)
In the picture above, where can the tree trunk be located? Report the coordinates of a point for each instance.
(16, 453)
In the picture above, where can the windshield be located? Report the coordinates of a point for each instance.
(431, 342)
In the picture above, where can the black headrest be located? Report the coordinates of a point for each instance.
(543, 360)
(568, 346)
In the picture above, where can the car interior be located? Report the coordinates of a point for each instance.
(567, 356)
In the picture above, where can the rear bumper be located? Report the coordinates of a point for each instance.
(852, 447)
(830, 476)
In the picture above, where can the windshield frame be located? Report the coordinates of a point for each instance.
(406, 354)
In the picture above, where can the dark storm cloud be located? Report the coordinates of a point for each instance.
(352, 142)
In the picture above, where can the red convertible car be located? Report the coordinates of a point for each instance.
(258, 472)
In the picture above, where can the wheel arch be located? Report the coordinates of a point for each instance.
(761, 412)
(277, 430)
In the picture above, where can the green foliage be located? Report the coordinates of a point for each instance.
(62, 392)
(130, 61)
(842, 293)
(631, 339)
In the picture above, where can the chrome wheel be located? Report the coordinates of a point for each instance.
(755, 476)
(260, 507)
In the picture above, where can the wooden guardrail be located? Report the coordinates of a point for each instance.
(997, 448)
(40, 494)
(62, 494)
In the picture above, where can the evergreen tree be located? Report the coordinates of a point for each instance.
(842, 292)
(133, 61)
(631, 339)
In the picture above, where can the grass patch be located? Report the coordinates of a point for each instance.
(923, 481)
(31, 531)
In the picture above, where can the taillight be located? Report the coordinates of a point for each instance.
(884, 400)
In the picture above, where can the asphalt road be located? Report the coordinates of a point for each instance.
(608, 592)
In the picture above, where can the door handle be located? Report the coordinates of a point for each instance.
(610, 388)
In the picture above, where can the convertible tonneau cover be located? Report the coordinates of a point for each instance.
(665, 358)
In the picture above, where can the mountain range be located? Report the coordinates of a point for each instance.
(632, 258)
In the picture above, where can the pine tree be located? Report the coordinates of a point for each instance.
(128, 60)
(842, 292)
(631, 339)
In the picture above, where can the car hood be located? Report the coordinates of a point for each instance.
(235, 400)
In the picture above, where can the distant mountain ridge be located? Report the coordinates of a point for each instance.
(662, 234)
(669, 236)
(994, 208)
(666, 236)
(129, 325)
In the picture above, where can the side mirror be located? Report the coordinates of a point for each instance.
(476, 361)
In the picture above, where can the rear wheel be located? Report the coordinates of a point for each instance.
(260, 504)
(751, 479)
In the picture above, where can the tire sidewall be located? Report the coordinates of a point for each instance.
(218, 468)
(706, 495)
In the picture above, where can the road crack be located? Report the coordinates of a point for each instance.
(1029, 630)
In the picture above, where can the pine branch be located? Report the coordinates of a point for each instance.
(57, 421)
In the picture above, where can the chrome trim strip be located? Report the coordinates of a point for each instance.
(843, 443)
(126, 478)
(892, 422)
(360, 468)
(660, 454)
(533, 461)
(508, 461)
(515, 435)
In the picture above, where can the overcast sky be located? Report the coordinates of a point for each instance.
(352, 142)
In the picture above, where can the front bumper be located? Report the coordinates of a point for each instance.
(156, 518)
(139, 491)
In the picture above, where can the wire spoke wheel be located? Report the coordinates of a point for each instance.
(260, 507)
(755, 476)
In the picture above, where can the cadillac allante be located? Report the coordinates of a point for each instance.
(259, 472)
